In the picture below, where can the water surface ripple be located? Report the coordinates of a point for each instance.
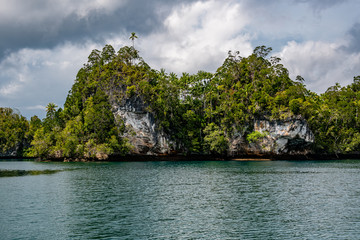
(182, 200)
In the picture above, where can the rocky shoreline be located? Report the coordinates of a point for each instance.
(200, 157)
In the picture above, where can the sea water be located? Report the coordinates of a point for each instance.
(182, 200)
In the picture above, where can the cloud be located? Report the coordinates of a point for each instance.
(353, 35)
(322, 64)
(319, 5)
(35, 77)
(46, 24)
(197, 36)
(36, 107)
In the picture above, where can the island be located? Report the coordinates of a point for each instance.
(119, 108)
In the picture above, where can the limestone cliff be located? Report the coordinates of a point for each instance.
(291, 136)
(141, 128)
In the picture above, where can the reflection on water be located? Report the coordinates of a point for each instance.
(18, 173)
(182, 200)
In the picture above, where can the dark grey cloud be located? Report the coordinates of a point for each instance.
(46, 26)
(140, 16)
(354, 38)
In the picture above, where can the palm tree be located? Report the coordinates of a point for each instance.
(50, 110)
(132, 37)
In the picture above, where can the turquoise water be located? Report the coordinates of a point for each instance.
(182, 200)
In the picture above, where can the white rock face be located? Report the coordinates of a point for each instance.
(281, 137)
(141, 129)
(290, 136)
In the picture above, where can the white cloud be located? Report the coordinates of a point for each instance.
(198, 36)
(31, 77)
(36, 107)
(9, 89)
(322, 64)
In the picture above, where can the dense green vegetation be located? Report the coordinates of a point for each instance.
(14, 131)
(334, 118)
(199, 112)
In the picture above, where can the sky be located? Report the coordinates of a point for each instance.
(43, 43)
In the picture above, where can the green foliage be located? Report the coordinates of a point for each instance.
(99, 122)
(334, 118)
(255, 136)
(41, 144)
(215, 139)
(295, 105)
(13, 129)
(130, 91)
(107, 54)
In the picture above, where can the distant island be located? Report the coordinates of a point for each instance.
(121, 108)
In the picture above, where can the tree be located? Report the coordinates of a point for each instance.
(50, 120)
(13, 129)
(215, 140)
(295, 105)
(262, 51)
(94, 58)
(34, 125)
(50, 110)
(41, 144)
(99, 121)
(133, 37)
(300, 79)
(107, 54)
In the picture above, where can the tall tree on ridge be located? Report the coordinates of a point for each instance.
(50, 110)
(133, 37)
